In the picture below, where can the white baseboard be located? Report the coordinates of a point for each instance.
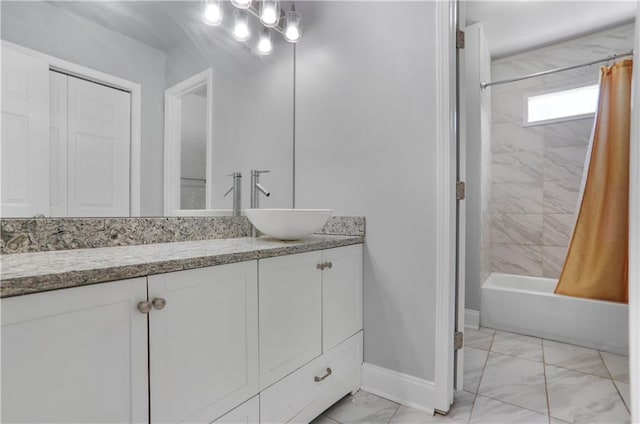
(471, 318)
(402, 388)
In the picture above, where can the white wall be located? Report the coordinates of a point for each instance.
(43, 27)
(478, 166)
(365, 128)
(252, 116)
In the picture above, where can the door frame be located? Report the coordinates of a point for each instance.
(135, 89)
(634, 234)
(446, 23)
(172, 126)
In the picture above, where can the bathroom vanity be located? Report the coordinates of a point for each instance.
(229, 330)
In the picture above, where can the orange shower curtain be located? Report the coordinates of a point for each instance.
(597, 260)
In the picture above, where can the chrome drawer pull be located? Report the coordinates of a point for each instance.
(319, 379)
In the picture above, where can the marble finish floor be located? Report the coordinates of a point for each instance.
(511, 378)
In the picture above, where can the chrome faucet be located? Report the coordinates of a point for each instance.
(237, 193)
(256, 189)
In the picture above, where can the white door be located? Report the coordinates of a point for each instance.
(204, 342)
(290, 314)
(341, 295)
(25, 135)
(99, 134)
(58, 144)
(76, 355)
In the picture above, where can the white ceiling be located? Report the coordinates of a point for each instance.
(513, 26)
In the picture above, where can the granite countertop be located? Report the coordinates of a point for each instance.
(25, 273)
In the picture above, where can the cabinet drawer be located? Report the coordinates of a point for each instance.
(299, 397)
(247, 413)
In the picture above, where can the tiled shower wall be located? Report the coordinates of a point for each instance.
(536, 171)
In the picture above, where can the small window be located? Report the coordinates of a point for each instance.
(561, 105)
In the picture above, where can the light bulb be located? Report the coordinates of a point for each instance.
(241, 31)
(212, 14)
(292, 26)
(269, 12)
(241, 4)
(264, 44)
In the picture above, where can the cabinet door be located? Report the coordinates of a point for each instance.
(341, 295)
(290, 314)
(204, 342)
(25, 134)
(76, 355)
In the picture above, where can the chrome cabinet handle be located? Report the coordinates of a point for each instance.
(144, 306)
(320, 266)
(159, 303)
(319, 379)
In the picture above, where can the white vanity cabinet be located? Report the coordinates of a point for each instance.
(203, 344)
(310, 332)
(76, 355)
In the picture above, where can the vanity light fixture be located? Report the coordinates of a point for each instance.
(269, 12)
(212, 14)
(241, 4)
(241, 30)
(265, 46)
(292, 26)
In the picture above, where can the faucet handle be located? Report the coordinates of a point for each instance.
(256, 172)
(235, 174)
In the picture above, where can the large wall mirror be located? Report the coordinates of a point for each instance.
(139, 108)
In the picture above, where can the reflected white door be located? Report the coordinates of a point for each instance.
(25, 135)
(98, 149)
(58, 144)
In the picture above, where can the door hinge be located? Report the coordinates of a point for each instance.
(459, 39)
(461, 191)
(458, 340)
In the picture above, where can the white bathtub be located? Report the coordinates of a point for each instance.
(527, 305)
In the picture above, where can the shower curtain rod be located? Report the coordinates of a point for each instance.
(484, 85)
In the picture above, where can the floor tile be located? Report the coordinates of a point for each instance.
(516, 381)
(363, 407)
(459, 412)
(524, 347)
(625, 392)
(583, 398)
(323, 419)
(478, 339)
(617, 365)
(474, 360)
(492, 411)
(574, 358)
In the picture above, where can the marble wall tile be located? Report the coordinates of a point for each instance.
(557, 229)
(507, 106)
(561, 196)
(517, 167)
(517, 197)
(564, 163)
(568, 133)
(517, 259)
(516, 229)
(509, 137)
(553, 260)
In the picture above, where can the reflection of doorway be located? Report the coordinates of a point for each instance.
(188, 113)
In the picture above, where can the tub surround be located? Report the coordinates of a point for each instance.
(49, 234)
(42, 271)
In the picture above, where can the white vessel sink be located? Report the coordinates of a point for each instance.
(288, 224)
